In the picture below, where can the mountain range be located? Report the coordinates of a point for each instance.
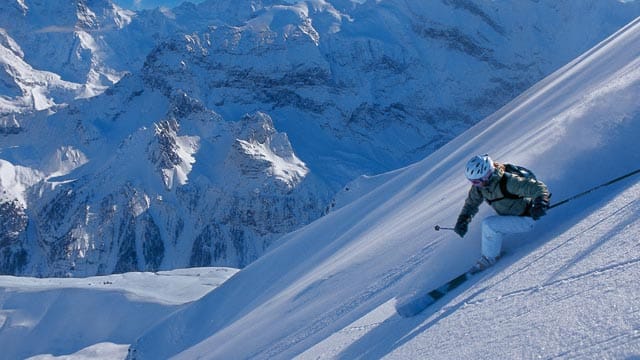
(199, 135)
(566, 289)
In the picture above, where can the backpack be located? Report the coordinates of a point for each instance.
(514, 170)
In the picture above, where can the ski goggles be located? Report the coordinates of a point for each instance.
(482, 181)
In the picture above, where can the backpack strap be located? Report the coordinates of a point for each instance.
(507, 195)
(503, 188)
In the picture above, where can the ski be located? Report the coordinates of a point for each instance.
(417, 301)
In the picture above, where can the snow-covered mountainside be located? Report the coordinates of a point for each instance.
(54, 52)
(198, 135)
(568, 289)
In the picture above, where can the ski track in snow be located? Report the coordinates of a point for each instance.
(607, 226)
(321, 323)
(515, 303)
(488, 296)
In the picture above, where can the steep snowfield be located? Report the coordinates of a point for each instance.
(568, 289)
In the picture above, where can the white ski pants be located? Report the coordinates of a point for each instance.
(495, 227)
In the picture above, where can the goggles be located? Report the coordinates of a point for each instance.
(482, 181)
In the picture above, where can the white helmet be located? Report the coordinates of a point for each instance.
(480, 166)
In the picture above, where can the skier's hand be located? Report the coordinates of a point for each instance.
(539, 207)
(462, 225)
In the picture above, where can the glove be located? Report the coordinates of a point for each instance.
(462, 225)
(539, 207)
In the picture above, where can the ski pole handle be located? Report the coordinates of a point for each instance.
(438, 228)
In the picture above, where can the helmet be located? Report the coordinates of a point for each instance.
(480, 166)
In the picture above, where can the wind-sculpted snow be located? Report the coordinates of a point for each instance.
(200, 135)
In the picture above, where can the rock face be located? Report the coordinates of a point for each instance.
(165, 199)
(13, 223)
(199, 135)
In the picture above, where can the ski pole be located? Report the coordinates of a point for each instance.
(594, 188)
(438, 228)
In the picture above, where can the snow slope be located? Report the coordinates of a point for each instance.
(565, 290)
(99, 314)
(569, 289)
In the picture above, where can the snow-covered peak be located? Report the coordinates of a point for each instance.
(25, 88)
(259, 141)
(78, 41)
(235, 12)
(172, 154)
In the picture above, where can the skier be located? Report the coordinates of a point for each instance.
(519, 200)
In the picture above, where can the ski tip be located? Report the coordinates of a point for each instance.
(413, 305)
